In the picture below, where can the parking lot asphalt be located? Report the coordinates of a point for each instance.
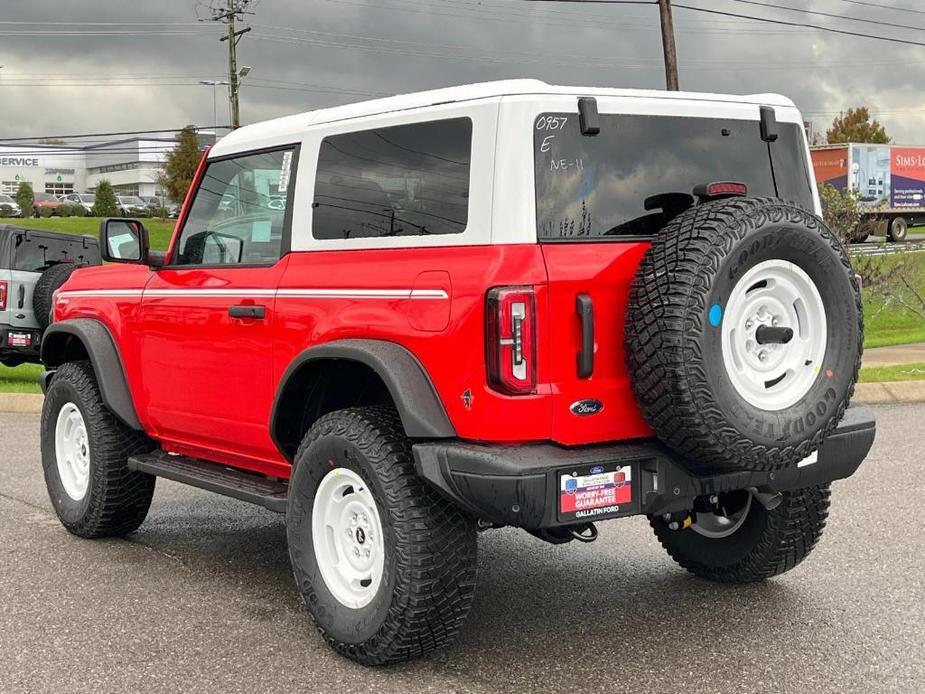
(201, 599)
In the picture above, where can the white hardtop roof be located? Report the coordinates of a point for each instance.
(482, 90)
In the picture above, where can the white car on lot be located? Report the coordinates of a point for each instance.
(14, 211)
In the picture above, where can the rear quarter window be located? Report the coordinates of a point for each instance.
(403, 180)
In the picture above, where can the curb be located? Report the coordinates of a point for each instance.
(867, 393)
(21, 402)
(890, 392)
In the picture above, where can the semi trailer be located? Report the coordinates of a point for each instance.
(889, 181)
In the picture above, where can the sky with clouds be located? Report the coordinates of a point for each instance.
(118, 65)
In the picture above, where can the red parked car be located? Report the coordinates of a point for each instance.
(506, 304)
(46, 200)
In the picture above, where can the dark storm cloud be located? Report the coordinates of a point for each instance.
(388, 46)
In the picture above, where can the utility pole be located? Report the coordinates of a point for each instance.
(671, 56)
(234, 9)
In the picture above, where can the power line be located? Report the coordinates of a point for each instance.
(831, 15)
(784, 22)
(113, 134)
(480, 12)
(883, 7)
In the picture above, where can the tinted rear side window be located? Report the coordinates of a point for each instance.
(405, 180)
(36, 253)
(597, 186)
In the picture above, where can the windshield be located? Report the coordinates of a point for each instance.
(44, 197)
(131, 200)
(597, 186)
(87, 198)
(6, 200)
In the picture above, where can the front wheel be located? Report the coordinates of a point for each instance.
(740, 541)
(384, 564)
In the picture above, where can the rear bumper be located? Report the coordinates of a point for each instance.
(11, 346)
(520, 485)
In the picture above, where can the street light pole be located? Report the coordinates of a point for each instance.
(213, 84)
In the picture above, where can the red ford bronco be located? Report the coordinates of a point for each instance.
(510, 304)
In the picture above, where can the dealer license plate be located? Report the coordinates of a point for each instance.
(19, 340)
(595, 491)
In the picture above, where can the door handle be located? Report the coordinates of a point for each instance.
(247, 311)
(22, 295)
(585, 310)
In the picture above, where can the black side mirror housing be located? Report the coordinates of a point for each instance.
(124, 241)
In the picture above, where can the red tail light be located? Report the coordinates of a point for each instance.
(4, 292)
(510, 332)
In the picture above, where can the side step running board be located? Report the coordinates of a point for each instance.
(246, 486)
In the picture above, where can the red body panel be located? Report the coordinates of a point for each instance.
(452, 351)
(207, 377)
(604, 271)
(203, 382)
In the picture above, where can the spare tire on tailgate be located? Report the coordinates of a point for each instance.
(744, 334)
(45, 287)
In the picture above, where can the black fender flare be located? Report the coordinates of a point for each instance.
(104, 356)
(420, 408)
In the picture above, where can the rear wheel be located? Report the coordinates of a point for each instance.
(385, 565)
(84, 454)
(899, 229)
(740, 541)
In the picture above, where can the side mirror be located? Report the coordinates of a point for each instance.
(124, 241)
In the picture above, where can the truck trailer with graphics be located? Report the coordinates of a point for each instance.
(889, 181)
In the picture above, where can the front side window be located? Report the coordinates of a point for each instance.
(597, 187)
(239, 214)
(404, 180)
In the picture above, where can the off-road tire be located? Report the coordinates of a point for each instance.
(767, 544)
(674, 347)
(43, 293)
(430, 546)
(117, 499)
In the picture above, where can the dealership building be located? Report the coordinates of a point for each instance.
(132, 166)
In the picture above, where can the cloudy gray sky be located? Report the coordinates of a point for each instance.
(114, 65)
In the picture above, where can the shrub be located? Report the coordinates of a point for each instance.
(64, 210)
(25, 198)
(105, 204)
(44, 212)
(6, 210)
(158, 211)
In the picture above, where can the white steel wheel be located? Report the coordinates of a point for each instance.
(773, 376)
(72, 451)
(717, 525)
(347, 538)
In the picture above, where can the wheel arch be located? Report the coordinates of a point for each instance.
(373, 371)
(86, 338)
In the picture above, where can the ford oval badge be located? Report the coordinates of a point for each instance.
(586, 408)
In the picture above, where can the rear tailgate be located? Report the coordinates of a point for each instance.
(21, 314)
(596, 210)
(602, 272)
